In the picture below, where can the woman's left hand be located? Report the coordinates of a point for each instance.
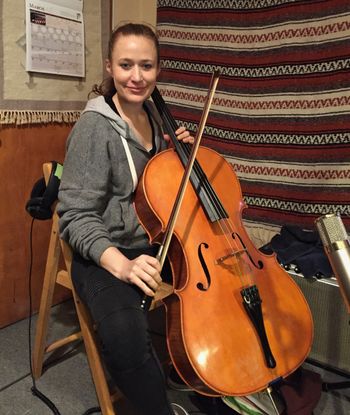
(182, 134)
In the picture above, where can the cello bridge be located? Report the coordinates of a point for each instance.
(230, 255)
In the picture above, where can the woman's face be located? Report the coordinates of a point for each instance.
(134, 68)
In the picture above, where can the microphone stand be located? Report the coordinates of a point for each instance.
(337, 248)
(330, 386)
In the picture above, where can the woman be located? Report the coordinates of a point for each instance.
(114, 266)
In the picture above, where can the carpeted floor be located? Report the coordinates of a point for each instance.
(67, 382)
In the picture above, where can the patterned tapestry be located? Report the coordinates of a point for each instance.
(281, 112)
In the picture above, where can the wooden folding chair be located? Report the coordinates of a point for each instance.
(53, 275)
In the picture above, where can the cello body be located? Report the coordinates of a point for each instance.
(211, 340)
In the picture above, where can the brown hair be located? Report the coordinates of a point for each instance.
(138, 29)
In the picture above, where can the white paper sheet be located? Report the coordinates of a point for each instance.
(55, 37)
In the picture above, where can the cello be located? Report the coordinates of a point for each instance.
(236, 321)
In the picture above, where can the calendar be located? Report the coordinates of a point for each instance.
(55, 39)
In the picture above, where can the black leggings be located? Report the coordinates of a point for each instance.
(122, 328)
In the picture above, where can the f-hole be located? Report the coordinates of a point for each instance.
(260, 264)
(200, 285)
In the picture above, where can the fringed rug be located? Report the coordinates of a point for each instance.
(281, 113)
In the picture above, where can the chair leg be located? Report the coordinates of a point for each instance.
(93, 355)
(46, 300)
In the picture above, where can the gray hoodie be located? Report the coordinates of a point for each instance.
(97, 190)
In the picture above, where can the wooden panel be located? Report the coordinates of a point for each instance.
(23, 150)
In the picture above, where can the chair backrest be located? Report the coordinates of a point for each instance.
(66, 250)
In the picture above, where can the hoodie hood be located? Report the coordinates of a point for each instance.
(100, 106)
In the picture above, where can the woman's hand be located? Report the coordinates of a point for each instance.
(143, 271)
(182, 134)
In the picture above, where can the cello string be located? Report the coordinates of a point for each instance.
(226, 230)
(186, 176)
(186, 149)
(242, 252)
(216, 204)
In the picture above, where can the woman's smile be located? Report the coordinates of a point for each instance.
(136, 89)
(134, 68)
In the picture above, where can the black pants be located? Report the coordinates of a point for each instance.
(122, 328)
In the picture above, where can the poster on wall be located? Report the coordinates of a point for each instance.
(55, 37)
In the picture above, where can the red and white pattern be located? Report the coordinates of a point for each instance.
(281, 113)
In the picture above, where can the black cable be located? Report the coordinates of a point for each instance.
(34, 389)
(92, 410)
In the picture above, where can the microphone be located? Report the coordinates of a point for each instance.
(337, 247)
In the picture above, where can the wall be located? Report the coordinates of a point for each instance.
(23, 150)
(137, 10)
